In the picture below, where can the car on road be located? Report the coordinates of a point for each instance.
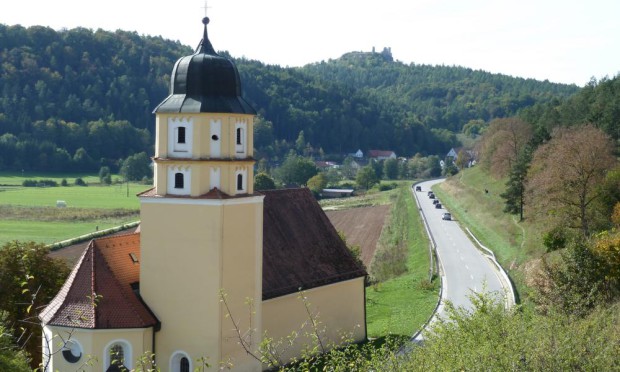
(431, 196)
(446, 216)
(418, 188)
(438, 206)
(435, 201)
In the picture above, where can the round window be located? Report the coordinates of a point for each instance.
(72, 351)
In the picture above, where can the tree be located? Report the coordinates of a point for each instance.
(29, 279)
(137, 166)
(515, 186)
(300, 143)
(317, 183)
(11, 357)
(262, 181)
(366, 177)
(390, 169)
(565, 174)
(104, 175)
(296, 170)
(501, 144)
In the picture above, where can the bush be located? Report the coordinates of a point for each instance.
(64, 182)
(80, 182)
(39, 183)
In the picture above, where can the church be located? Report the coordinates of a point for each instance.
(215, 267)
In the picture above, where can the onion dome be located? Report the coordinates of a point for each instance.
(205, 82)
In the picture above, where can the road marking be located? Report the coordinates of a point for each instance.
(467, 267)
(471, 276)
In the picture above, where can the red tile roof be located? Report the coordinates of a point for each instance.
(301, 250)
(301, 247)
(380, 153)
(98, 293)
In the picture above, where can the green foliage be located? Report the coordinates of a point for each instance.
(80, 182)
(262, 181)
(105, 177)
(29, 279)
(95, 90)
(390, 169)
(317, 183)
(296, 170)
(137, 166)
(518, 340)
(366, 177)
(555, 239)
(39, 183)
(390, 259)
(11, 357)
(515, 186)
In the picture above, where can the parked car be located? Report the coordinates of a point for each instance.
(431, 196)
(446, 216)
(438, 205)
(435, 201)
(418, 188)
(429, 193)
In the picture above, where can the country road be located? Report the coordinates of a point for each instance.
(463, 268)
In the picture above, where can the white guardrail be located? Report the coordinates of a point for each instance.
(510, 296)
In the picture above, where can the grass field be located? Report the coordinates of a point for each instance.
(30, 213)
(402, 305)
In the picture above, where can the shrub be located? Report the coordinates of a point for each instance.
(80, 182)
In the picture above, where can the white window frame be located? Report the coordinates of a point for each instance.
(241, 148)
(175, 361)
(176, 149)
(127, 354)
(187, 180)
(244, 184)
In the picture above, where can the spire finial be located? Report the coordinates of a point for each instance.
(205, 45)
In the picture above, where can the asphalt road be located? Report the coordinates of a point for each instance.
(463, 267)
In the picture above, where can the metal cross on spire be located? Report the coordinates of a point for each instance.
(206, 7)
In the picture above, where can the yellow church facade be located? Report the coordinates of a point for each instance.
(216, 267)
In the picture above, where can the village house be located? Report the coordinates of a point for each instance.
(381, 154)
(215, 266)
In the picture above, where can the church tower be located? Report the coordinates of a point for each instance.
(202, 224)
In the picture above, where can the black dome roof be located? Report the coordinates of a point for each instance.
(205, 82)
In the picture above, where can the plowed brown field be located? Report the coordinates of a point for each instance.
(361, 226)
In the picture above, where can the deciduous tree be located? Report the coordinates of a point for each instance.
(29, 279)
(502, 143)
(565, 175)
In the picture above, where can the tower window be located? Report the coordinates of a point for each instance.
(178, 181)
(181, 135)
(240, 182)
(239, 136)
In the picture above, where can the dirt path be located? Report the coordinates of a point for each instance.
(361, 226)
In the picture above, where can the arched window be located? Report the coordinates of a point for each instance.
(184, 365)
(180, 362)
(241, 134)
(117, 356)
(239, 182)
(178, 181)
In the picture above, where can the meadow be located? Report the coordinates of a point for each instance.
(31, 213)
(402, 304)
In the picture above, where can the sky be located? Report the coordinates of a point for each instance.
(563, 41)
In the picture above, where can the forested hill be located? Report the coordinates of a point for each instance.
(77, 99)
